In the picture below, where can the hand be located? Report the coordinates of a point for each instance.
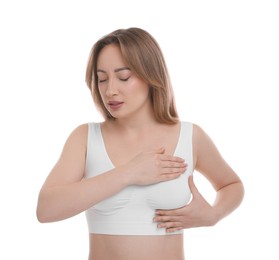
(196, 214)
(155, 166)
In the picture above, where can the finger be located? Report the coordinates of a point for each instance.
(169, 225)
(172, 164)
(173, 170)
(172, 212)
(167, 157)
(171, 230)
(166, 219)
(169, 176)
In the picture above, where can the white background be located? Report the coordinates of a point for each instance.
(224, 63)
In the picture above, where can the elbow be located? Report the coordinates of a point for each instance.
(42, 219)
(47, 214)
(239, 189)
(43, 211)
(42, 215)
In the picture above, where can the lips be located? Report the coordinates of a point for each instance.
(115, 104)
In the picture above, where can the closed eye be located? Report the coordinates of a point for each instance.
(102, 80)
(124, 79)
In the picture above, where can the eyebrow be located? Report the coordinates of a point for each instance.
(116, 70)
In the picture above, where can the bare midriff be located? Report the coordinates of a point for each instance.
(116, 247)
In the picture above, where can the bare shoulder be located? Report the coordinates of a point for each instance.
(198, 133)
(70, 166)
(202, 142)
(79, 135)
(200, 139)
(204, 147)
(76, 144)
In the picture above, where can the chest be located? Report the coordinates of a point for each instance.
(121, 149)
(138, 201)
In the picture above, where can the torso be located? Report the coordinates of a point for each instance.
(123, 247)
(108, 247)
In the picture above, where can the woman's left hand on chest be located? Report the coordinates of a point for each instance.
(195, 214)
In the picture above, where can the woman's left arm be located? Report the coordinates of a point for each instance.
(229, 189)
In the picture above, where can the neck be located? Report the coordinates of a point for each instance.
(136, 123)
(139, 122)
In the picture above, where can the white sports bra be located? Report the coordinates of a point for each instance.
(131, 211)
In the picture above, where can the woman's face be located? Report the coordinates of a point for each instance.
(123, 93)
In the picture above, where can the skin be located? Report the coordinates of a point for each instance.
(141, 150)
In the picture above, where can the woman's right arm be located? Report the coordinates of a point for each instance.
(66, 192)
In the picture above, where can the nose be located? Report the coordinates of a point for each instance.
(111, 88)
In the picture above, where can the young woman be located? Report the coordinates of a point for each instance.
(132, 173)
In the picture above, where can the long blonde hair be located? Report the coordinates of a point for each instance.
(144, 57)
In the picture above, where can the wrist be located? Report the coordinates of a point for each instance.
(125, 176)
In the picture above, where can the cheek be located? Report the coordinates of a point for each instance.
(143, 92)
(139, 87)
